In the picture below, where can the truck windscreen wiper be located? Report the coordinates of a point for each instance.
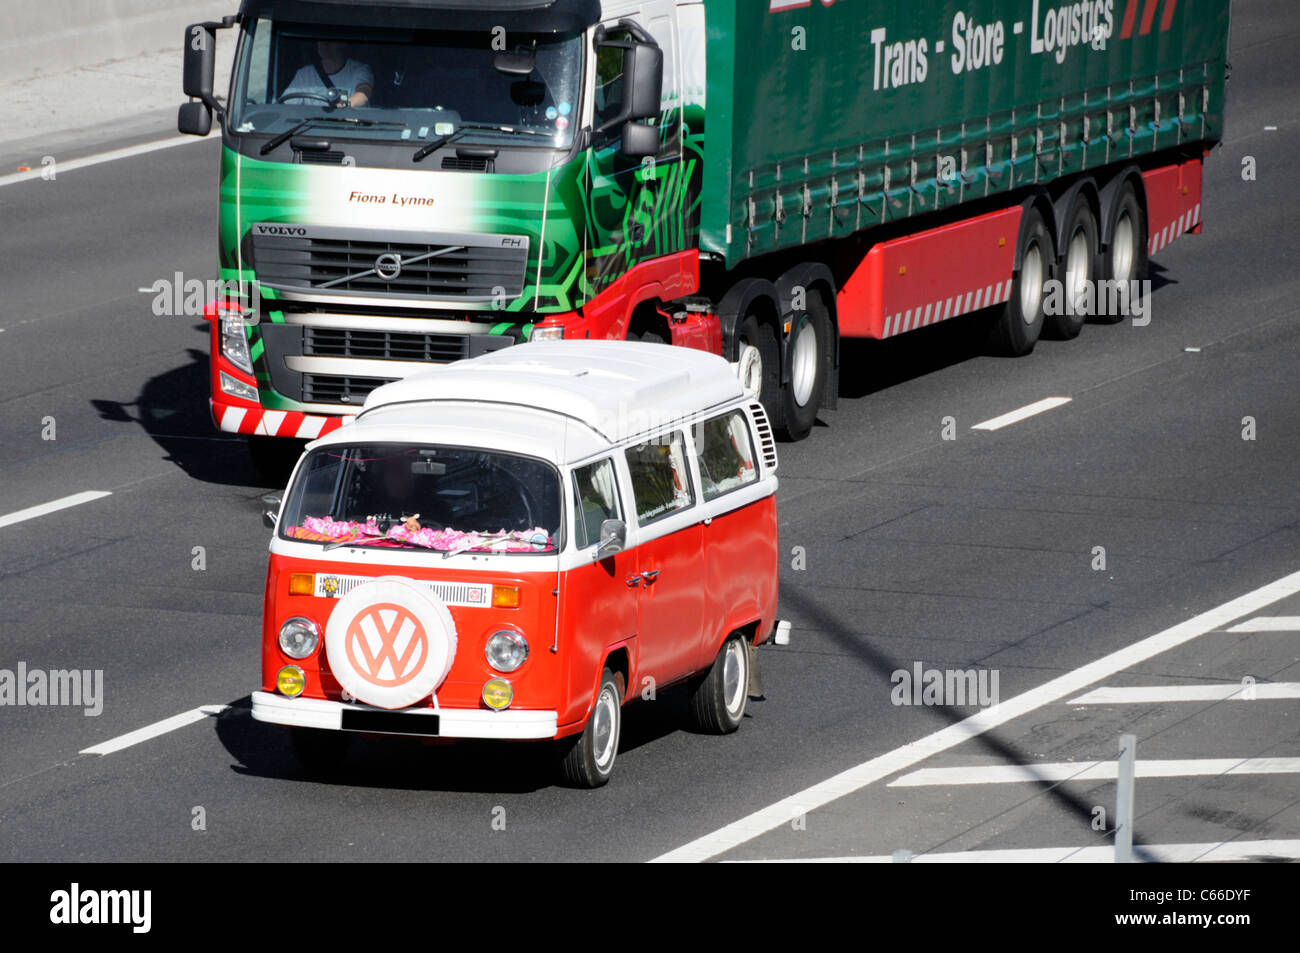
(438, 143)
(293, 131)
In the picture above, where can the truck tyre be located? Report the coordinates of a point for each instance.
(718, 699)
(765, 365)
(1078, 271)
(1125, 257)
(1021, 321)
(812, 359)
(589, 760)
(274, 458)
(318, 750)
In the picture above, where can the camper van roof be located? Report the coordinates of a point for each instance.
(616, 388)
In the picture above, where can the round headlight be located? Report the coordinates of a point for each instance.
(506, 650)
(299, 637)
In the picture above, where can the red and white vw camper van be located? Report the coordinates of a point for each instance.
(512, 546)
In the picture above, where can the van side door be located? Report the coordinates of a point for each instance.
(670, 557)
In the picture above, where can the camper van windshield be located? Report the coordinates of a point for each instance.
(403, 85)
(446, 499)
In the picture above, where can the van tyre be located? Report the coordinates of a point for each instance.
(1021, 322)
(589, 760)
(718, 700)
(319, 750)
(1079, 269)
(1125, 256)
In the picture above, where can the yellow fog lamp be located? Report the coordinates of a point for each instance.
(291, 681)
(498, 694)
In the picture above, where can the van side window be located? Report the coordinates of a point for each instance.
(726, 454)
(661, 481)
(595, 499)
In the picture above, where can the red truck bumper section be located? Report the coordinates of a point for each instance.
(931, 276)
(1173, 202)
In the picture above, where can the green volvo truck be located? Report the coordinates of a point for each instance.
(415, 181)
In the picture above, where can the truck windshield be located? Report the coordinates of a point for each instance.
(411, 86)
(446, 499)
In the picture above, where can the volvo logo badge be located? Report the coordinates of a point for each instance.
(388, 266)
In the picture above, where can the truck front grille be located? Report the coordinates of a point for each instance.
(385, 345)
(329, 389)
(345, 261)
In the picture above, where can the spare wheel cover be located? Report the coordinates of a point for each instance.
(390, 643)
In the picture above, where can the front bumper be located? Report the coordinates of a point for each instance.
(450, 722)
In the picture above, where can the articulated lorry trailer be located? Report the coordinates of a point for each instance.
(414, 181)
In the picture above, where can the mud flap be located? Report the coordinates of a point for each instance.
(755, 675)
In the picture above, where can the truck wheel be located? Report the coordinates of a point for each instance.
(718, 699)
(589, 760)
(318, 750)
(1021, 321)
(1125, 258)
(274, 458)
(1080, 272)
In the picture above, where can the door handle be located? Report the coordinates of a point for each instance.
(650, 575)
(633, 581)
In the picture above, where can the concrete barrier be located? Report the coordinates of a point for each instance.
(46, 37)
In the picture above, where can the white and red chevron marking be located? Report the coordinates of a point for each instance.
(1179, 226)
(274, 423)
(946, 308)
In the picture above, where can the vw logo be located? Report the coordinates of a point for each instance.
(387, 645)
(388, 266)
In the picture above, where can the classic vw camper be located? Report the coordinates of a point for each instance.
(511, 547)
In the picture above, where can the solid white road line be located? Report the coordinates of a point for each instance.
(1265, 623)
(156, 729)
(1156, 694)
(1098, 771)
(900, 759)
(73, 164)
(52, 507)
(1029, 410)
(1143, 853)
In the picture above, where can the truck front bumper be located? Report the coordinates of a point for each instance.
(426, 722)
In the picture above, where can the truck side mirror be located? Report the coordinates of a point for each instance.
(271, 509)
(194, 119)
(613, 538)
(643, 67)
(200, 60)
(640, 140)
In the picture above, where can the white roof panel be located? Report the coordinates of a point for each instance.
(617, 388)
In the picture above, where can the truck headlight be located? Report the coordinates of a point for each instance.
(237, 388)
(540, 333)
(234, 342)
(506, 650)
(299, 637)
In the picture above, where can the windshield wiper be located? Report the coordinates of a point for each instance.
(347, 120)
(368, 540)
(438, 143)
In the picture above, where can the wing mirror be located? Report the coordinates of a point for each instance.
(271, 509)
(613, 538)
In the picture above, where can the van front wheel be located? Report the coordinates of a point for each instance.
(589, 760)
(718, 699)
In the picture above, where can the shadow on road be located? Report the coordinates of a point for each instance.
(172, 408)
(413, 764)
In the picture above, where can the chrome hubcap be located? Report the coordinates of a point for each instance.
(803, 364)
(1031, 284)
(735, 675)
(1078, 270)
(604, 730)
(1122, 247)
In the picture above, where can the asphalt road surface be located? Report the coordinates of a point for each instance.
(902, 548)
